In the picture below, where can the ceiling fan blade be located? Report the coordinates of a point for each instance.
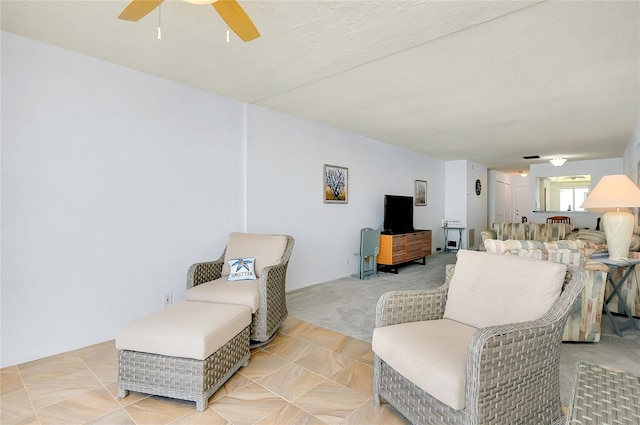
(237, 19)
(138, 9)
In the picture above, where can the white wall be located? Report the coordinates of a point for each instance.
(285, 191)
(462, 203)
(113, 183)
(457, 186)
(631, 164)
(1, 202)
(632, 155)
(476, 204)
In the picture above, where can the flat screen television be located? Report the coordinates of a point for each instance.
(398, 214)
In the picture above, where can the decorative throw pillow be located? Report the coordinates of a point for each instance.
(594, 236)
(241, 269)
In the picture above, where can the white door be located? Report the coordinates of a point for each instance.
(508, 203)
(500, 202)
(503, 203)
(522, 207)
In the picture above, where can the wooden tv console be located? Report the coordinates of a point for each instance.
(403, 248)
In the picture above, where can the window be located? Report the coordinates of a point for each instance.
(572, 197)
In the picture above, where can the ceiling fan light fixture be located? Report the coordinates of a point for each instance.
(229, 10)
(557, 161)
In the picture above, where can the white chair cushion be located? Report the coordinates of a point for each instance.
(490, 290)
(266, 249)
(187, 329)
(433, 356)
(245, 292)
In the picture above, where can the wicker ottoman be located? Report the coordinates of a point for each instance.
(185, 351)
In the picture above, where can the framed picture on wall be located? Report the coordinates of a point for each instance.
(336, 184)
(420, 192)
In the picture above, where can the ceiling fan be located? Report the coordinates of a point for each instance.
(230, 11)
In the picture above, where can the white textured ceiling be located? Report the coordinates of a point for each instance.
(487, 81)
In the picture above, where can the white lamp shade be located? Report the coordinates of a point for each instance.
(615, 191)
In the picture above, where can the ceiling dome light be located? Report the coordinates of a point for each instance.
(557, 161)
(523, 173)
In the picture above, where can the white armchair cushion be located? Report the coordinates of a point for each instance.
(245, 292)
(490, 290)
(266, 249)
(432, 354)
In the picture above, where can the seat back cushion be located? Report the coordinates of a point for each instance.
(496, 246)
(266, 249)
(551, 232)
(506, 231)
(491, 290)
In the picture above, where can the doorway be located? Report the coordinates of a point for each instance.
(522, 207)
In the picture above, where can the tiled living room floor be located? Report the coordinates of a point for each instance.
(306, 375)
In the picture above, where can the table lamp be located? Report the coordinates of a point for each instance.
(615, 191)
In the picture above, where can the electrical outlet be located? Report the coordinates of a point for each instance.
(168, 299)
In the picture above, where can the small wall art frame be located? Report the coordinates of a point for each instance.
(420, 192)
(335, 184)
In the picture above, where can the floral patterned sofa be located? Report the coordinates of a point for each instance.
(543, 232)
(585, 318)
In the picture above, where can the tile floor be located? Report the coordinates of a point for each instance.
(307, 375)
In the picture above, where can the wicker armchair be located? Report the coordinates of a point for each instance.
(512, 370)
(272, 309)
